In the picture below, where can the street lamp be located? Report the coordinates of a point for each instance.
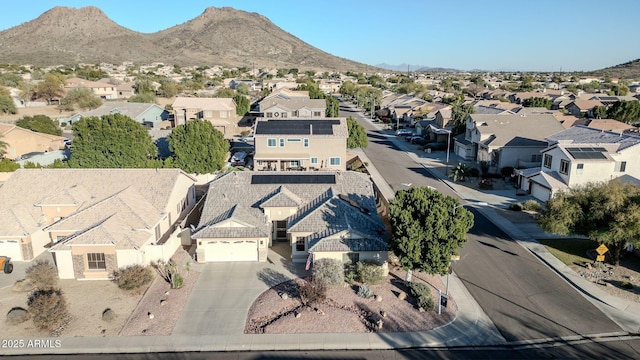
(480, 203)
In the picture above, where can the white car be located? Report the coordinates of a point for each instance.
(248, 138)
(404, 132)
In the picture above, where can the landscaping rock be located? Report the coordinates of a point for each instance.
(151, 316)
(379, 324)
(420, 309)
(378, 298)
(23, 285)
(163, 302)
(383, 313)
(284, 296)
(108, 315)
(298, 315)
(17, 315)
(402, 295)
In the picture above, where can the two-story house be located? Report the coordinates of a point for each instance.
(22, 141)
(579, 155)
(297, 144)
(151, 116)
(94, 221)
(285, 104)
(221, 112)
(318, 215)
(102, 90)
(505, 140)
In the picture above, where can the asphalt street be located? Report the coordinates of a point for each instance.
(524, 298)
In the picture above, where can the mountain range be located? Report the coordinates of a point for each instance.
(219, 36)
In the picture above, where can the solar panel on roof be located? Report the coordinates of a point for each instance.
(587, 153)
(296, 127)
(261, 179)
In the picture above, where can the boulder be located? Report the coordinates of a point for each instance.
(17, 315)
(402, 295)
(108, 315)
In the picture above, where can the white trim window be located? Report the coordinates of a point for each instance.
(314, 160)
(271, 142)
(281, 142)
(334, 161)
(305, 142)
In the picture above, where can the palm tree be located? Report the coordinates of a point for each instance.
(3, 147)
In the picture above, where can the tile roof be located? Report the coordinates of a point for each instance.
(83, 187)
(204, 103)
(319, 206)
(515, 130)
(582, 135)
(331, 127)
(132, 110)
(586, 104)
(345, 241)
(292, 104)
(282, 198)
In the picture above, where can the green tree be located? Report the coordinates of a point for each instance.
(111, 141)
(7, 165)
(41, 124)
(625, 111)
(51, 87)
(81, 96)
(333, 107)
(537, 102)
(7, 106)
(225, 93)
(459, 114)
(198, 147)
(357, 134)
(606, 212)
(3, 147)
(169, 89)
(427, 228)
(243, 89)
(243, 105)
(143, 98)
(599, 112)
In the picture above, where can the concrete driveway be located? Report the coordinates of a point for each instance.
(19, 268)
(221, 298)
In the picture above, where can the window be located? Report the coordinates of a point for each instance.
(621, 166)
(224, 114)
(306, 143)
(157, 232)
(334, 161)
(314, 160)
(579, 169)
(295, 163)
(269, 114)
(260, 162)
(350, 258)
(564, 167)
(317, 114)
(284, 115)
(293, 140)
(547, 161)
(208, 113)
(536, 158)
(271, 142)
(281, 142)
(300, 244)
(96, 261)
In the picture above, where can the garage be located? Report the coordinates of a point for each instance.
(11, 248)
(540, 192)
(235, 250)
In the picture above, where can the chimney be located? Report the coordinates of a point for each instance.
(310, 129)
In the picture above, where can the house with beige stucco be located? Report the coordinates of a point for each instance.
(301, 144)
(580, 155)
(286, 104)
(220, 112)
(23, 141)
(316, 215)
(95, 221)
(100, 89)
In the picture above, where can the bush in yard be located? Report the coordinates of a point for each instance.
(133, 277)
(17, 315)
(364, 291)
(170, 273)
(48, 308)
(515, 207)
(312, 291)
(329, 271)
(42, 275)
(531, 205)
(626, 285)
(369, 272)
(422, 293)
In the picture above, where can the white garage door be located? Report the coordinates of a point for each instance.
(11, 248)
(539, 192)
(241, 250)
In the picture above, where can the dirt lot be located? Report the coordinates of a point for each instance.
(345, 311)
(87, 300)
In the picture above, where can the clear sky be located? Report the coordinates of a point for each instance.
(525, 35)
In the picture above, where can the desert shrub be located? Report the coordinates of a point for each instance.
(17, 315)
(312, 291)
(329, 271)
(42, 274)
(364, 291)
(422, 293)
(369, 272)
(531, 205)
(515, 207)
(48, 308)
(350, 276)
(626, 285)
(133, 277)
(170, 272)
(245, 132)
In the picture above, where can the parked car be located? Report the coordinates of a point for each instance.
(238, 158)
(415, 139)
(404, 132)
(248, 138)
(5, 264)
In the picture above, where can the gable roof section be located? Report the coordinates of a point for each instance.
(86, 187)
(582, 135)
(132, 110)
(282, 198)
(515, 130)
(253, 224)
(5, 129)
(584, 105)
(334, 127)
(345, 241)
(204, 103)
